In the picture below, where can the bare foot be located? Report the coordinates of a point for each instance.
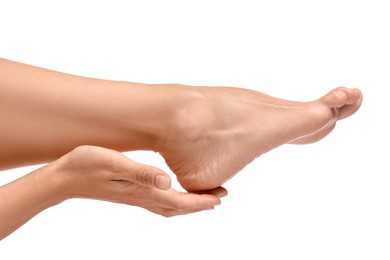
(221, 130)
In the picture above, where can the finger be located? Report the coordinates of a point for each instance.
(171, 213)
(181, 201)
(149, 176)
(220, 192)
(146, 175)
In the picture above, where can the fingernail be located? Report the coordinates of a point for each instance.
(222, 194)
(210, 208)
(162, 182)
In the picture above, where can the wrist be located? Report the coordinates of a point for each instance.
(57, 182)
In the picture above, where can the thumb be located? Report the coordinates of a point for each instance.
(151, 176)
(145, 175)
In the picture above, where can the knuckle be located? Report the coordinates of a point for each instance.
(123, 174)
(142, 175)
(179, 205)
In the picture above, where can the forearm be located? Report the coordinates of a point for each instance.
(24, 198)
(45, 114)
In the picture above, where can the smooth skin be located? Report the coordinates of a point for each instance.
(96, 173)
(230, 127)
(205, 134)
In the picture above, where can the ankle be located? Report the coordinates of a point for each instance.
(190, 118)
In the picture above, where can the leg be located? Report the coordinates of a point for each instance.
(206, 135)
(45, 114)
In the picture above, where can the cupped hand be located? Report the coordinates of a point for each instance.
(99, 173)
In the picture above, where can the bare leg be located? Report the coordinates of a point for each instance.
(45, 114)
(206, 135)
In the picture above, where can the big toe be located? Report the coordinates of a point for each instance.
(352, 105)
(346, 100)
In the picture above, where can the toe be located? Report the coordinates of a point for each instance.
(347, 100)
(336, 98)
(352, 105)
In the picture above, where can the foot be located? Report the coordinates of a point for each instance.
(218, 131)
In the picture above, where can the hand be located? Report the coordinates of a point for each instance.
(103, 174)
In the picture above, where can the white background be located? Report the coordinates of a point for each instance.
(328, 200)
